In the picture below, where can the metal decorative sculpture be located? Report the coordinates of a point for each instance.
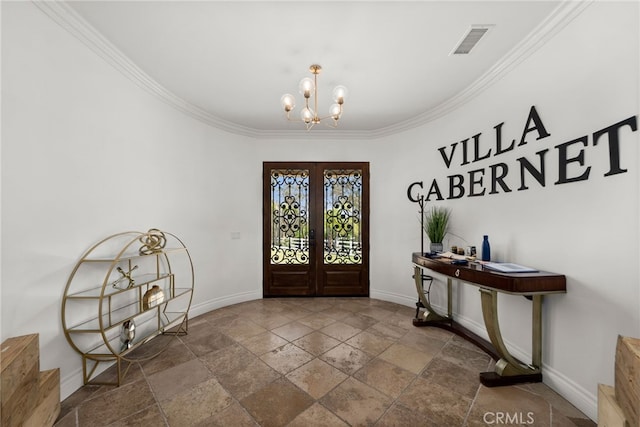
(125, 276)
(152, 242)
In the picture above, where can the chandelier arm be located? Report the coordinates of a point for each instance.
(330, 116)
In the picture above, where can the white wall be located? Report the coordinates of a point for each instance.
(584, 80)
(87, 153)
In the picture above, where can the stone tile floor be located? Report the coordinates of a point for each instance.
(313, 362)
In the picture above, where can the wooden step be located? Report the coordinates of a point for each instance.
(627, 378)
(28, 397)
(609, 412)
(48, 407)
(19, 379)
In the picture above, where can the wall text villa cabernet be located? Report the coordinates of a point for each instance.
(492, 179)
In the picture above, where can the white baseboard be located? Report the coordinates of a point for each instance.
(215, 303)
(393, 297)
(70, 383)
(578, 396)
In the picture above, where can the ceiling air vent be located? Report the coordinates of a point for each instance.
(473, 36)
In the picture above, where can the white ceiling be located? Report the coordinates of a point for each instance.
(231, 61)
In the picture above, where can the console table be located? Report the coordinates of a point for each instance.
(532, 285)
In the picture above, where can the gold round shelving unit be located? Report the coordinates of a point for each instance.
(126, 290)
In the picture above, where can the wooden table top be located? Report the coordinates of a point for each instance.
(539, 282)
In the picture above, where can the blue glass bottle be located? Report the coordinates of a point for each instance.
(486, 249)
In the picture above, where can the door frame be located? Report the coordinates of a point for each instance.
(315, 278)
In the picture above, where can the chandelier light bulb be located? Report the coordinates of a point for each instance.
(288, 102)
(306, 86)
(335, 111)
(307, 115)
(339, 94)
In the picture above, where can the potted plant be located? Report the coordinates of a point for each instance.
(436, 225)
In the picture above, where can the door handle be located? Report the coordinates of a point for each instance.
(312, 238)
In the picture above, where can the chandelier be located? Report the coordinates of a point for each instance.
(309, 87)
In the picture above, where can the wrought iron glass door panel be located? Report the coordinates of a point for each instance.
(289, 216)
(316, 229)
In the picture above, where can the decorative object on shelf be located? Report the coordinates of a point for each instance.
(308, 88)
(436, 225)
(152, 297)
(152, 242)
(127, 334)
(486, 249)
(154, 306)
(125, 276)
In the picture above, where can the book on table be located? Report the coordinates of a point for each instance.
(508, 267)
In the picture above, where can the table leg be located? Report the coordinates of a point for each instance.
(431, 314)
(510, 370)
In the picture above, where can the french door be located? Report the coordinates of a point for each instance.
(316, 229)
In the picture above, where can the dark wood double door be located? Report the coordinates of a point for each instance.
(315, 229)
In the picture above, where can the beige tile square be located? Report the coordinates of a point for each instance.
(340, 331)
(316, 343)
(243, 382)
(241, 329)
(264, 342)
(292, 331)
(346, 358)
(452, 376)
(229, 359)
(406, 357)
(370, 343)
(316, 378)
(385, 377)
(168, 383)
(277, 404)
(197, 403)
(286, 358)
(356, 403)
(438, 403)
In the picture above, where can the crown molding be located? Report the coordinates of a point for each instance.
(70, 20)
